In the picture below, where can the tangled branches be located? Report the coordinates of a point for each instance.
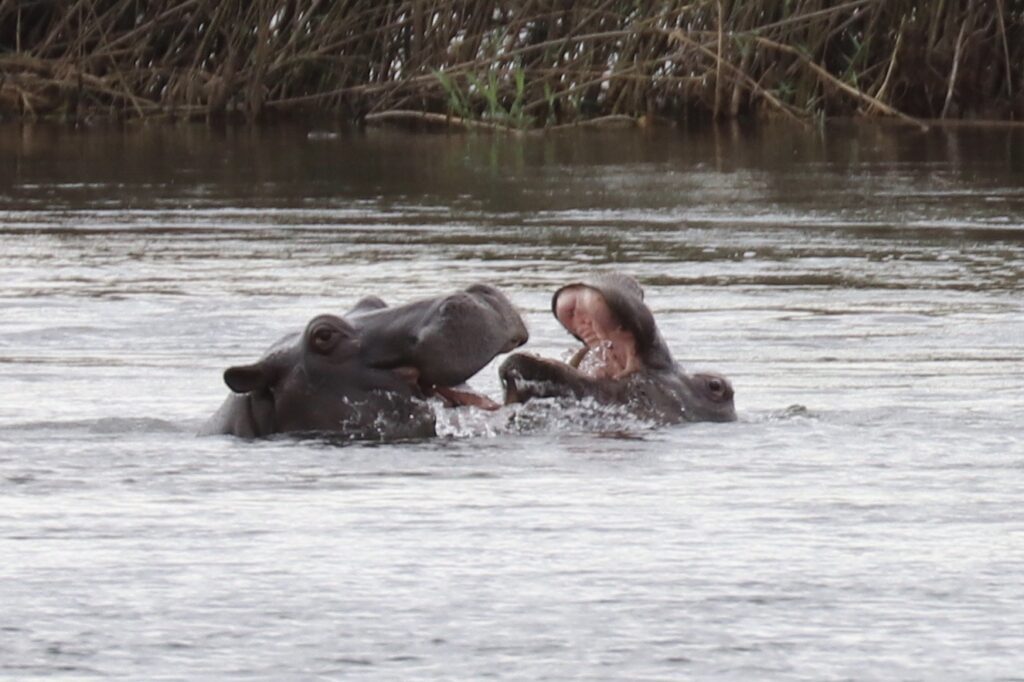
(512, 64)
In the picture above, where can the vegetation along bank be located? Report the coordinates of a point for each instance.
(522, 65)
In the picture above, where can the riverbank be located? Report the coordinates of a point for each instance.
(513, 65)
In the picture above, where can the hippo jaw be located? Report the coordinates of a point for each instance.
(663, 396)
(525, 376)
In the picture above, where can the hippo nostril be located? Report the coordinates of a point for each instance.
(715, 385)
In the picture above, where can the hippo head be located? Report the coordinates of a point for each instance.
(367, 374)
(624, 360)
(315, 381)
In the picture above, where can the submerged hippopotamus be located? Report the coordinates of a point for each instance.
(623, 362)
(367, 373)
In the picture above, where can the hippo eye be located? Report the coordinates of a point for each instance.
(323, 336)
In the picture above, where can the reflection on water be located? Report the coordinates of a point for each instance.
(861, 286)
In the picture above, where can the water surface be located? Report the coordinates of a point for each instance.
(863, 287)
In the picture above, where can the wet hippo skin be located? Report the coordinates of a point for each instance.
(366, 374)
(623, 361)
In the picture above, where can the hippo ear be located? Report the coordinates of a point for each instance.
(367, 304)
(246, 378)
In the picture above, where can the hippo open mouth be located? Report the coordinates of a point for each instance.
(623, 360)
(609, 350)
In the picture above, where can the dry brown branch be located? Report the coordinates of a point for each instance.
(603, 121)
(407, 116)
(954, 68)
(849, 89)
(811, 16)
(880, 94)
(1006, 48)
(755, 87)
(718, 61)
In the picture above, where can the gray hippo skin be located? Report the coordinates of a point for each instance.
(366, 375)
(624, 360)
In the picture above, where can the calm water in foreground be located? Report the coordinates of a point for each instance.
(862, 287)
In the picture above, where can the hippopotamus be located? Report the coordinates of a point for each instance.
(623, 361)
(367, 374)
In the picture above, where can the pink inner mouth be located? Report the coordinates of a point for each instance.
(610, 350)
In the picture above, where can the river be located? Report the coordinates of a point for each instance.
(862, 287)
